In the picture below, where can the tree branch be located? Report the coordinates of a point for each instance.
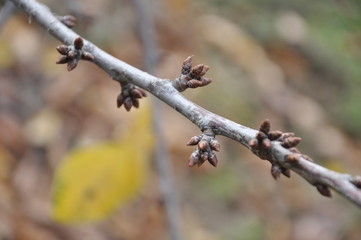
(279, 151)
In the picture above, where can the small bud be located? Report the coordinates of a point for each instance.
(194, 83)
(143, 92)
(274, 135)
(323, 190)
(265, 126)
(87, 56)
(286, 172)
(204, 70)
(253, 143)
(128, 103)
(72, 64)
(135, 93)
(196, 71)
(212, 159)
(205, 81)
(204, 156)
(260, 136)
(293, 158)
(194, 141)
(187, 65)
(203, 145)
(276, 171)
(194, 159)
(120, 100)
(266, 143)
(78, 43)
(291, 142)
(135, 102)
(62, 60)
(69, 21)
(62, 49)
(286, 135)
(71, 54)
(215, 145)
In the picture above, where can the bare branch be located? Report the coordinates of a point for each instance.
(273, 150)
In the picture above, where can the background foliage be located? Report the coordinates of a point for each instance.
(294, 62)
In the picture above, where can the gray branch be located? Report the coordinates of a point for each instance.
(344, 184)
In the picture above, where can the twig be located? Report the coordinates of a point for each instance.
(165, 90)
(163, 161)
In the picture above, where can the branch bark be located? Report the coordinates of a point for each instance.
(164, 89)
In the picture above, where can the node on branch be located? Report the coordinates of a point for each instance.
(73, 53)
(192, 77)
(206, 145)
(129, 96)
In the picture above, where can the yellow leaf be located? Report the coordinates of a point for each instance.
(92, 182)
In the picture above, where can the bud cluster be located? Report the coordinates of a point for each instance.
(192, 77)
(73, 53)
(206, 145)
(129, 96)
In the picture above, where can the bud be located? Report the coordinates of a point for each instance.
(265, 126)
(187, 65)
(212, 159)
(78, 43)
(276, 171)
(72, 64)
(120, 100)
(87, 56)
(128, 103)
(203, 145)
(215, 145)
(194, 141)
(62, 49)
(323, 190)
(62, 60)
(274, 135)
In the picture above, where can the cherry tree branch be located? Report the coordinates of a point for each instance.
(275, 147)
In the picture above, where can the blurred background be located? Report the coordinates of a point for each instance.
(294, 62)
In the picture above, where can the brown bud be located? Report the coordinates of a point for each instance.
(194, 83)
(72, 64)
(204, 156)
(135, 93)
(62, 49)
(205, 81)
(87, 56)
(274, 135)
(196, 71)
(128, 103)
(265, 126)
(215, 145)
(78, 43)
(212, 159)
(193, 160)
(187, 65)
(286, 172)
(266, 143)
(323, 190)
(69, 21)
(194, 141)
(120, 100)
(287, 135)
(291, 142)
(203, 145)
(260, 136)
(276, 171)
(293, 158)
(253, 143)
(71, 54)
(204, 70)
(62, 60)
(143, 92)
(135, 102)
